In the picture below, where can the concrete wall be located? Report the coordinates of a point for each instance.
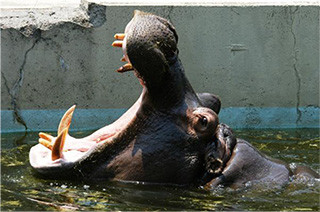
(257, 59)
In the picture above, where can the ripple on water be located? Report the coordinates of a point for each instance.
(21, 190)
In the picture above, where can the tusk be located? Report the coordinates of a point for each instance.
(123, 59)
(58, 145)
(66, 119)
(46, 136)
(117, 43)
(119, 36)
(125, 68)
(45, 143)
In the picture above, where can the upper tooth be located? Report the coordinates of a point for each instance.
(119, 36)
(117, 43)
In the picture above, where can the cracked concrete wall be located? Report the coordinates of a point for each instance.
(249, 56)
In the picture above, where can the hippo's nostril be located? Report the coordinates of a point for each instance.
(215, 166)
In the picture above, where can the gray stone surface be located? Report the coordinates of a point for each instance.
(250, 56)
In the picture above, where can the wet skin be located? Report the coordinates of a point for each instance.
(170, 135)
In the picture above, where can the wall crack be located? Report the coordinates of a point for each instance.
(295, 65)
(14, 91)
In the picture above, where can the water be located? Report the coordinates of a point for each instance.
(21, 190)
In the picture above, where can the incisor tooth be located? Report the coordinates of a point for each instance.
(46, 136)
(57, 148)
(66, 119)
(117, 43)
(119, 36)
(45, 143)
(125, 68)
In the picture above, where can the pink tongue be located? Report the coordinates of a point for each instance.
(104, 137)
(82, 149)
(78, 145)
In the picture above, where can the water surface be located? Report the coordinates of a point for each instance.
(22, 190)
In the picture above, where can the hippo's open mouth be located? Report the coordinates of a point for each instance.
(64, 150)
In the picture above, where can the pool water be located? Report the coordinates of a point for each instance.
(22, 190)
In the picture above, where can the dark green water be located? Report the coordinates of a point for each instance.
(21, 190)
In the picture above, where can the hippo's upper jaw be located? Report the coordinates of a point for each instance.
(162, 138)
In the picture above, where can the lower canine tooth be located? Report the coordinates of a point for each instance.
(66, 119)
(57, 148)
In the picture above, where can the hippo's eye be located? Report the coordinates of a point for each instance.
(204, 121)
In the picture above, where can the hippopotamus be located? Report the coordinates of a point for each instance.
(171, 134)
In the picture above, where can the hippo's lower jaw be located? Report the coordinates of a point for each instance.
(62, 153)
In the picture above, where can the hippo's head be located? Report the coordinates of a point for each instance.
(170, 135)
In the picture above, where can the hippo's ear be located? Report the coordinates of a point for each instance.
(210, 101)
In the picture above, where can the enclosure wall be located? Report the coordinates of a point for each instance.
(262, 61)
